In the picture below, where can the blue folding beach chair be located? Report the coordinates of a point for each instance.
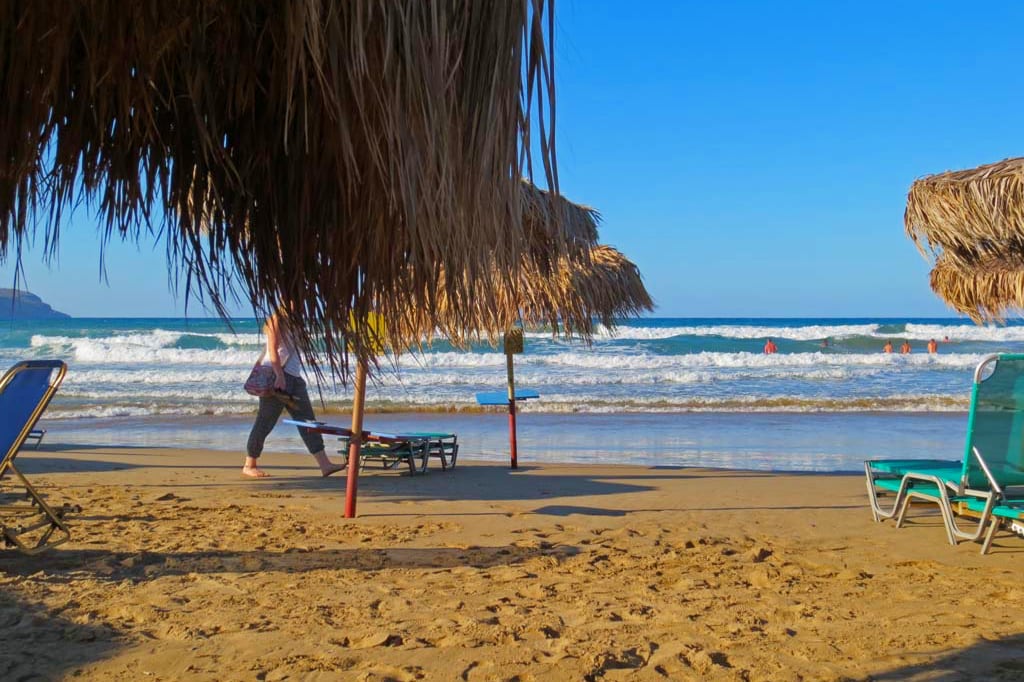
(25, 391)
(982, 485)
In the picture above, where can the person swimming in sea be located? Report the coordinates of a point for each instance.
(905, 348)
(887, 348)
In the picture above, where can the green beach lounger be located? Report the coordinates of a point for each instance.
(387, 449)
(983, 480)
(444, 446)
(391, 450)
(1008, 514)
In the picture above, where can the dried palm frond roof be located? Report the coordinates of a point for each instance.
(559, 242)
(570, 298)
(969, 214)
(972, 223)
(984, 291)
(346, 151)
(580, 293)
(553, 225)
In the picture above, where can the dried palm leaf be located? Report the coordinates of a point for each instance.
(985, 291)
(972, 223)
(345, 153)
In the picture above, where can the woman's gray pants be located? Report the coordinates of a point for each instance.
(270, 411)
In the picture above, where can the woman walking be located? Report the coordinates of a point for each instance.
(283, 357)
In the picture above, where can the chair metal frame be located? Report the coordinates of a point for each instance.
(945, 493)
(43, 516)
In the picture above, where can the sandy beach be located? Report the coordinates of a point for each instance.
(180, 569)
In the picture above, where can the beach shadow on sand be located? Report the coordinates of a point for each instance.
(66, 565)
(59, 465)
(38, 643)
(991, 659)
(568, 510)
(133, 450)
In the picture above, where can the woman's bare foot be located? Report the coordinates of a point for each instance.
(251, 468)
(332, 469)
(327, 467)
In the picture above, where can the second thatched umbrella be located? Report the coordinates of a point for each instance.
(587, 283)
(972, 223)
(602, 287)
(569, 297)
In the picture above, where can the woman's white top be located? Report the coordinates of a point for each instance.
(291, 361)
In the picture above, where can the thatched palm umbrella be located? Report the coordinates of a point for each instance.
(568, 293)
(333, 157)
(602, 287)
(598, 285)
(984, 290)
(345, 151)
(972, 223)
(581, 292)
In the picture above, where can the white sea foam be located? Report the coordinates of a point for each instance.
(137, 349)
(923, 332)
(192, 382)
(212, 375)
(646, 361)
(162, 372)
(236, 339)
(808, 333)
(101, 411)
(963, 332)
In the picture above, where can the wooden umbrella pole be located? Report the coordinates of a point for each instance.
(512, 410)
(355, 443)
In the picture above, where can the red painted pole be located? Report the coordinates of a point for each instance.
(354, 444)
(512, 410)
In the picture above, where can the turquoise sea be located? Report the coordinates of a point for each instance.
(673, 391)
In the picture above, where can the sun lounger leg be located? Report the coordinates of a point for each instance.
(904, 506)
(877, 512)
(46, 518)
(946, 509)
(990, 535)
(872, 495)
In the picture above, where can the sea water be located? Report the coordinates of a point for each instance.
(651, 391)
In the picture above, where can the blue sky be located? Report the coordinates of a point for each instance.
(752, 158)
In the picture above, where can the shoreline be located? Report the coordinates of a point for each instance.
(760, 441)
(179, 568)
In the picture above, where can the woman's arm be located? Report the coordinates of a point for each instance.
(273, 331)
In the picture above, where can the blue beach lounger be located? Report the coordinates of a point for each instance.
(984, 480)
(25, 391)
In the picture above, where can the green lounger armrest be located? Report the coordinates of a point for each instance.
(922, 487)
(902, 466)
(1008, 510)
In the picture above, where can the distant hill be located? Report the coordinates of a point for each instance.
(26, 307)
